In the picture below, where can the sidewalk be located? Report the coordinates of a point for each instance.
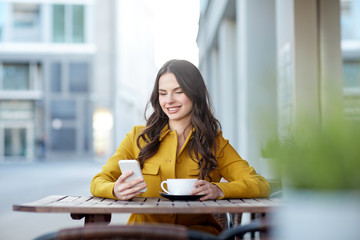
(22, 182)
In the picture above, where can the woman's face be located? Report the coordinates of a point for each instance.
(173, 101)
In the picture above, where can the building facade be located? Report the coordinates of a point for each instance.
(350, 46)
(69, 80)
(47, 54)
(269, 63)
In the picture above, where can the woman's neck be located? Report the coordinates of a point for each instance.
(182, 131)
(180, 127)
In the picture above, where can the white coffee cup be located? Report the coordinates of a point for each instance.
(178, 186)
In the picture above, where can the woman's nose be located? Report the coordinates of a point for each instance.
(169, 98)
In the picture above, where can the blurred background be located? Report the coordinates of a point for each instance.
(75, 76)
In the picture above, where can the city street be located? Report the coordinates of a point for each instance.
(22, 182)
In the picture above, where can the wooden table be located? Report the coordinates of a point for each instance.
(96, 209)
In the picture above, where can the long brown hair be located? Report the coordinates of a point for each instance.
(202, 147)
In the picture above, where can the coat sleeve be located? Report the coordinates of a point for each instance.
(103, 183)
(242, 179)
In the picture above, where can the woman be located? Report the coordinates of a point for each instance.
(181, 139)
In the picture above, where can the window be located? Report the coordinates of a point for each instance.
(13, 111)
(2, 19)
(26, 15)
(63, 109)
(26, 22)
(350, 21)
(78, 24)
(68, 23)
(78, 77)
(15, 142)
(55, 77)
(87, 127)
(22, 76)
(59, 23)
(16, 76)
(351, 71)
(63, 139)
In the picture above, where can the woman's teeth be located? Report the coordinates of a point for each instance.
(173, 109)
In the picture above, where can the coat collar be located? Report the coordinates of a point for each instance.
(167, 130)
(164, 132)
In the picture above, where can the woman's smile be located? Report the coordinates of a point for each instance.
(172, 110)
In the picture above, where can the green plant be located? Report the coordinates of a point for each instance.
(320, 157)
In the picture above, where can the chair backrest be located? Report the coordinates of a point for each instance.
(128, 232)
(151, 232)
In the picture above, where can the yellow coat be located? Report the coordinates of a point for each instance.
(243, 182)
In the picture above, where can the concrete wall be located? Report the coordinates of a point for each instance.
(269, 63)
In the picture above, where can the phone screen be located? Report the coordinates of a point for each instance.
(134, 166)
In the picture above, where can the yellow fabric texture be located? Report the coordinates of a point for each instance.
(243, 181)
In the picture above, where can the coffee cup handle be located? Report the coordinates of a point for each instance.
(162, 187)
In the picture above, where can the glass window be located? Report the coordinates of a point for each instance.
(350, 20)
(26, 22)
(68, 23)
(59, 23)
(2, 19)
(87, 127)
(55, 75)
(16, 110)
(15, 142)
(63, 109)
(78, 77)
(16, 76)
(26, 15)
(351, 71)
(78, 24)
(63, 139)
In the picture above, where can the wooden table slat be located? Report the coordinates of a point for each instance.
(181, 204)
(152, 200)
(195, 204)
(225, 203)
(106, 202)
(120, 203)
(41, 202)
(83, 199)
(139, 199)
(236, 200)
(255, 202)
(47, 200)
(210, 203)
(166, 204)
(69, 200)
(93, 200)
(276, 200)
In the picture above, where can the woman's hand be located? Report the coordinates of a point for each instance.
(127, 190)
(211, 191)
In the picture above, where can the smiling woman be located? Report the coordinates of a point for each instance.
(181, 139)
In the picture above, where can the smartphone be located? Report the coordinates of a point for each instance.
(134, 166)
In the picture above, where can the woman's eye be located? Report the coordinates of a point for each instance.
(179, 92)
(162, 94)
